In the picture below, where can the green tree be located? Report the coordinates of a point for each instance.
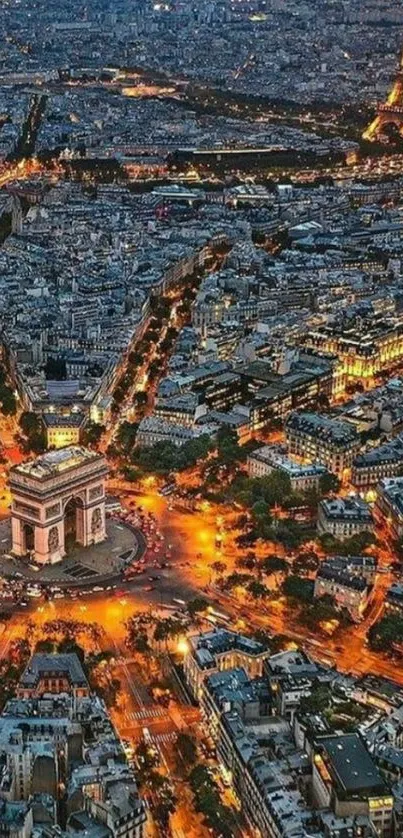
(140, 398)
(92, 433)
(257, 590)
(55, 369)
(166, 805)
(195, 606)
(165, 457)
(385, 633)
(207, 799)
(46, 646)
(167, 629)
(237, 580)
(30, 423)
(306, 562)
(140, 644)
(259, 509)
(248, 562)
(290, 534)
(228, 448)
(297, 588)
(274, 642)
(317, 701)
(32, 428)
(322, 610)
(147, 760)
(329, 483)
(274, 565)
(136, 359)
(218, 568)
(126, 436)
(186, 745)
(8, 402)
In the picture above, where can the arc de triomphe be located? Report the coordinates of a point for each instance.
(58, 499)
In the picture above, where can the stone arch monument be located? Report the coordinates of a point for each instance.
(58, 500)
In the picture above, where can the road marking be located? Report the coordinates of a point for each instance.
(159, 738)
(153, 712)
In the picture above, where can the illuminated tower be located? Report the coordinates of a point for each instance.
(389, 113)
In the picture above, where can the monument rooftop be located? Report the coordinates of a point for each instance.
(54, 463)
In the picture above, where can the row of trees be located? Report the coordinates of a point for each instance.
(7, 398)
(34, 435)
(144, 631)
(151, 780)
(353, 546)
(206, 793)
(164, 457)
(299, 590)
(275, 490)
(314, 613)
(160, 308)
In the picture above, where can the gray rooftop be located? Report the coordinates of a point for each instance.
(45, 665)
(351, 766)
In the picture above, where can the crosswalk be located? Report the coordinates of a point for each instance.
(163, 738)
(146, 713)
(157, 738)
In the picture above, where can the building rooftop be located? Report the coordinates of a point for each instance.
(391, 488)
(329, 430)
(272, 456)
(57, 420)
(351, 766)
(395, 593)
(13, 813)
(206, 646)
(41, 665)
(390, 452)
(340, 577)
(346, 509)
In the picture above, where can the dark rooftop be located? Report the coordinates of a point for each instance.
(350, 764)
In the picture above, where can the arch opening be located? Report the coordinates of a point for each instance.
(73, 522)
(29, 538)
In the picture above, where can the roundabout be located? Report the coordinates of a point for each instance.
(82, 566)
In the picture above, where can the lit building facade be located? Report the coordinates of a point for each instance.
(318, 438)
(269, 458)
(218, 651)
(344, 518)
(349, 592)
(389, 504)
(62, 430)
(373, 466)
(362, 353)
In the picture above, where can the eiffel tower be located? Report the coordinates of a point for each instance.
(390, 112)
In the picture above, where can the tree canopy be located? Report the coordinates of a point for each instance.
(386, 632)
(7, 398)
(297, 588)
(164, 457)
